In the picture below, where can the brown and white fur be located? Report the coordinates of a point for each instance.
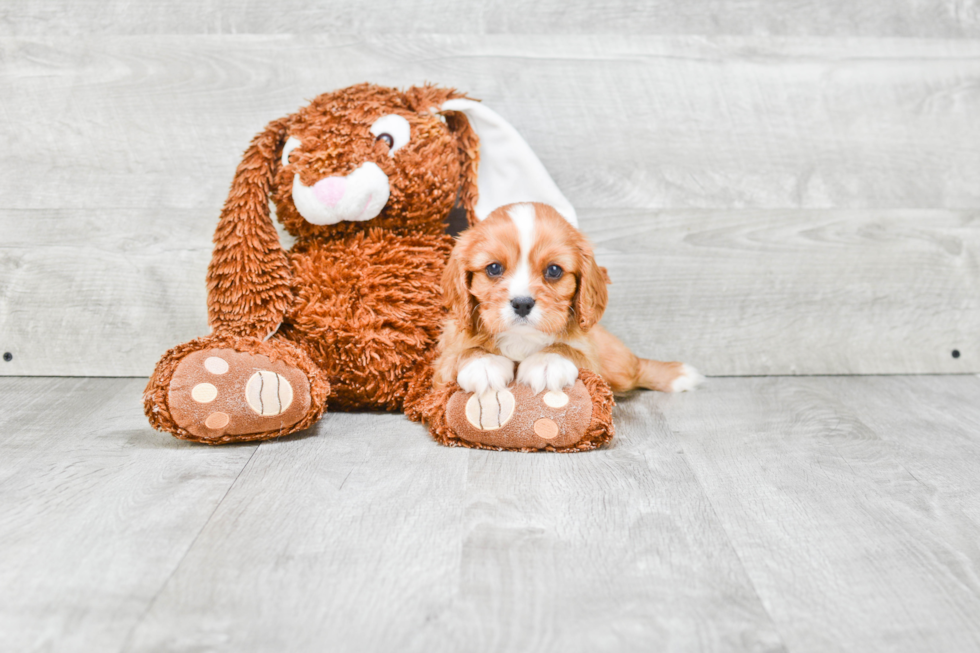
(523, 288)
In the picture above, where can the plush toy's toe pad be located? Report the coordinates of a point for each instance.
(491, 410)
(218, 392)
(516, 418)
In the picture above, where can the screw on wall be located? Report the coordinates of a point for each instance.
(956, 353)
(7, 356)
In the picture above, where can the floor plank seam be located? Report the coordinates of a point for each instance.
(190, 547)
(731, 542)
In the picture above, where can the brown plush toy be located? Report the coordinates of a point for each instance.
(365, 179)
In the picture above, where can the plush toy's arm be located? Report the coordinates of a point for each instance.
(249, 281)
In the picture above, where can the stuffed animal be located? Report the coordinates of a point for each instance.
(364, 178)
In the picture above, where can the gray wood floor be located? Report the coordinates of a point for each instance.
(778, 513)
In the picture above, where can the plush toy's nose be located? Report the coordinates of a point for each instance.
(330, 190)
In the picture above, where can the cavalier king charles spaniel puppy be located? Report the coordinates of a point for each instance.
(524, 291)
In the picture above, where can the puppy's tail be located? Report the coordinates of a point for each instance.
(624, 371)
(667, 377)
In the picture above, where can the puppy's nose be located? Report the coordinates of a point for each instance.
(522, 305)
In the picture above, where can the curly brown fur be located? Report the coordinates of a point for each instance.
(601, 429)
(248, 278)
(367, 307)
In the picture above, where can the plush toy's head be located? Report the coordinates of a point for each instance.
(373, 155)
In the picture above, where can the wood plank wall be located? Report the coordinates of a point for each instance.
(776, 187)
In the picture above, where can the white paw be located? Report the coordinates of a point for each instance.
(486, 373)
(689, 379)
(551, 371)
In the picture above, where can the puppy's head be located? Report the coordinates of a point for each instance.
(524, 266)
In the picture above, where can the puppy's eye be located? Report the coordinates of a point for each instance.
(495, 270)
(553, 272)
(393, 130)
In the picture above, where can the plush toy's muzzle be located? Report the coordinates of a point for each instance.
(357, 197)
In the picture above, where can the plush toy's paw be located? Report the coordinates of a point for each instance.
(518, 418)
(220, 392)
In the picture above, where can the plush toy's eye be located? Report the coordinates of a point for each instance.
(394, 130)
(291, 144)
(495, 270)
(553, 272)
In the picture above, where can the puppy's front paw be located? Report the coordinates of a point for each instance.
(688, 379)
(551, 371)
(486, 373)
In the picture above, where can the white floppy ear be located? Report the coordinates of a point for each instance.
(508, 170)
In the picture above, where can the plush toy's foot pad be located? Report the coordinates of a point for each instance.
(516, 418)
(217, 392)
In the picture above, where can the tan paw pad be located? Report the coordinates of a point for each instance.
(546, 428)
(491, 410)
(555, 399)
(268, 393)
(204, 393)
(217, 420)
(216, 365)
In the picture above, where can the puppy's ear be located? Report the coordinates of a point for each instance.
(502, 168)
(248, 278)
(456, 293)
(591, 295)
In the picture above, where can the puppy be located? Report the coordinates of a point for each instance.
(523, 289)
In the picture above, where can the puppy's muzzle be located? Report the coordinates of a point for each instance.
(522, 305)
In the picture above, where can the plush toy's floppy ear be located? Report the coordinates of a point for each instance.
(508, 170)
(248, 278)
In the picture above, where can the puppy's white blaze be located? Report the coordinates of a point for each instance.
(523, 216)
(486, 373)
(520, 342)
(519, 285)
(551, 371)
(689, 379)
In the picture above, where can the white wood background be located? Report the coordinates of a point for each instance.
(777, 187)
